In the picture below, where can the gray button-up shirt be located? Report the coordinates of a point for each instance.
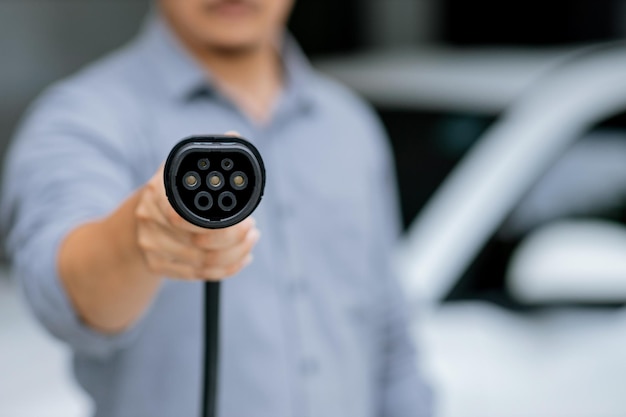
(314, 327)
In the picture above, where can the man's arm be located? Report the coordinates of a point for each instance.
(112, 268)
(88, 248)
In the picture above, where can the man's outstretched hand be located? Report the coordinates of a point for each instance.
(173, 247)
(112, 268)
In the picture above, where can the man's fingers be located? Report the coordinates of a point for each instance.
(222, 264)
(149, 209)
(224, 238)
(221, 272)
(156, 239)
(170, 268)
(174, 268)
(233, 255)
(157, 207)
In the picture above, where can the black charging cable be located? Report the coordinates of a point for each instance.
(211, 348)
(195, 183)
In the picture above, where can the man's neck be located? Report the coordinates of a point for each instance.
(252, 78)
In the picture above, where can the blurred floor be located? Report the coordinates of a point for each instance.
(35, 375)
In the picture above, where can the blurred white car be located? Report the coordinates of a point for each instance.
(516, 263)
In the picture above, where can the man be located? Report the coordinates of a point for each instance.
(314, 326)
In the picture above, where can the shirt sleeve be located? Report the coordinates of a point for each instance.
(404, 392)
(66, 166)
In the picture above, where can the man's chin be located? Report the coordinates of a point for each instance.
(232, 46)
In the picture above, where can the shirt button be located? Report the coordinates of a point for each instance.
(309, 366)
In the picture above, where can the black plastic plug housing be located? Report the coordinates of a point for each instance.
(214, 181)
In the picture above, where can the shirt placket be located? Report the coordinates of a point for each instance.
(300, 330)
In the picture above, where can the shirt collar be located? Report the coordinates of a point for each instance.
(183, 77)
(177, 70)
